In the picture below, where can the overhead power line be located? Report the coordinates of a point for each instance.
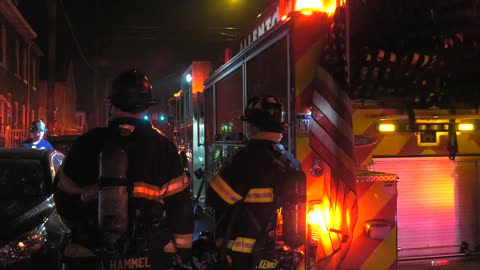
(75, 40)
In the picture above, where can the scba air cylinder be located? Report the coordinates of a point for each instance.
(113, 193)
(293, 197)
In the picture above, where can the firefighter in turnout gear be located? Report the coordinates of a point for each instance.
(123, 191)
(244, 192)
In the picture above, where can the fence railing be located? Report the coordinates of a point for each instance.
(70, 131)
(14, 137)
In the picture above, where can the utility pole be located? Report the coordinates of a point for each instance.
(52, 48)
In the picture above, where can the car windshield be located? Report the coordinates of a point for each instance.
(21, 178)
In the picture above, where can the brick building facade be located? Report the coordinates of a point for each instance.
(19, 63)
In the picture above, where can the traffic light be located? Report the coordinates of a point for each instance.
(146, 117)
(227, 128)
(162, 118)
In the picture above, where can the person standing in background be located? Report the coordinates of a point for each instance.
(38, 129)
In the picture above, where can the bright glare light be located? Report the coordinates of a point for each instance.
(465, 127)
(178, 94)
(188, 77)
(386, 127)
(21, 245)
(315, 216)
(306, 6)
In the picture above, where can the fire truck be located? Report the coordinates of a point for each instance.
(388, 134)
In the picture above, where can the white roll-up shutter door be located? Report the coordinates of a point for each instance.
(436, 203)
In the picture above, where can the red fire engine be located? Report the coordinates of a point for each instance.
(386, 180)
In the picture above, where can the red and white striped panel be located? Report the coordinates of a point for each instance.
(331, 140)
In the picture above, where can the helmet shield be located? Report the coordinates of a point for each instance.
(266, 113)
(132, 92)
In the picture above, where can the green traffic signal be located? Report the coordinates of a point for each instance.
(162, 118)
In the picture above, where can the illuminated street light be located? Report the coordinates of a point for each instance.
(188, 78)
(178, 94)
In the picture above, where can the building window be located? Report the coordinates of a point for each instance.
(3, 107)
(15, 116)
(17, 57)
(34, 73)
(24, 116)
(24, 63)
(3, 45)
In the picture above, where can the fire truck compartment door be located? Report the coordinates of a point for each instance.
(436, 203)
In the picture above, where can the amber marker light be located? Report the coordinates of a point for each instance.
(386, 127)
(465, 127)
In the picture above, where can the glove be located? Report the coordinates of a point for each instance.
(180, 263)
(204, 253)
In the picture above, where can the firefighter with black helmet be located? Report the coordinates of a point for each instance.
(123, 191)
(244, 193)
(38, 130)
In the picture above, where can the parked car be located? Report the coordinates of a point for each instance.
(63, 143)
(31, 231)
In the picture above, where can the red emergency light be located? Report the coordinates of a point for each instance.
(307, 7)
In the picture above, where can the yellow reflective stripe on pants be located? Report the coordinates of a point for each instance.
(224, 190)
(243, 245)
(169, 248)
(259, 195)
(183, 240)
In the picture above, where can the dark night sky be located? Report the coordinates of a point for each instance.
(159, 37)
(162, 37)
